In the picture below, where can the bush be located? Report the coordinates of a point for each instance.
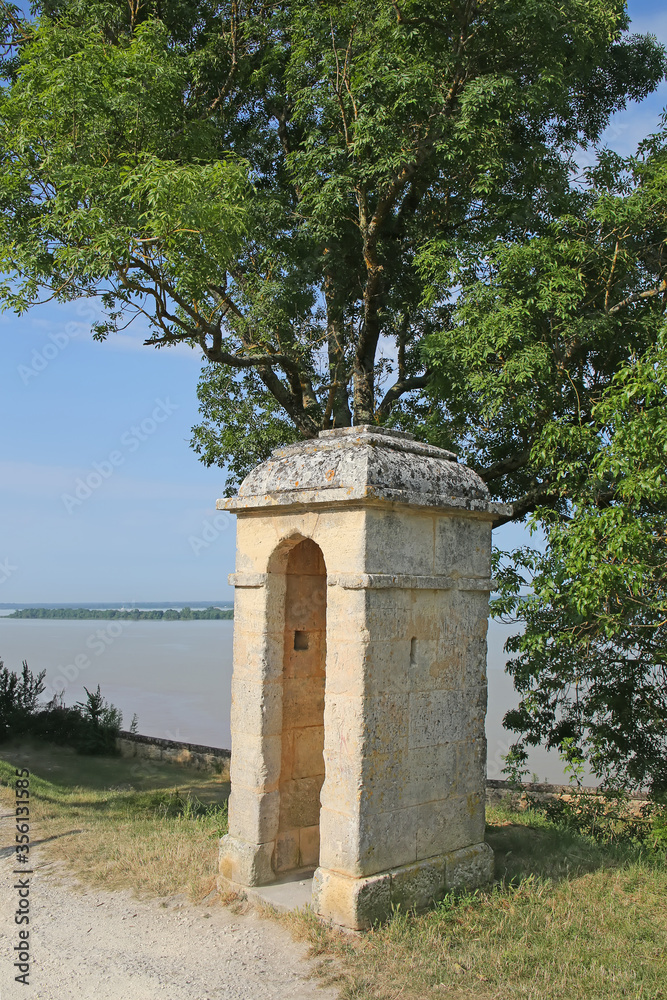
(604, 814)
(90, 727)
(18, 699)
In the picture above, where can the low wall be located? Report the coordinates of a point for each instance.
(217, 760)
(497, 790)
(194, 755)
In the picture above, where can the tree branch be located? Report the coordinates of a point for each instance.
(540, 496)
(636, 297)
(500, 469)
(398, 389)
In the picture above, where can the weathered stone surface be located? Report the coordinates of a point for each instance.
(258, 658)
(339, 841)
(247, 864)
(300, 802)
(410, 541)
(437, 717)
(256, 708)
(287, 854)
(253, 815)
(463, 547)
(387, 839)
(362, 463)
(359, 673)
(308, 752)
(470, 868)
(415, 887)
(433, 773)
(351, 902)
(258, 767)
(449, 824)
(361, 902)
(190, 755)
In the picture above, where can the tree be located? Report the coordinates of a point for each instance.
(259, 180)
(18, 699)
(363, 211)
(542, 325)
(563, 342)
(591, 663)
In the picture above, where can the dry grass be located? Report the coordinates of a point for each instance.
(568, 919)
(119, 823)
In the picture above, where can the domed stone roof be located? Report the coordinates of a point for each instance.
(364, 463)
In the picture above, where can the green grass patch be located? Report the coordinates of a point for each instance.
(119, 822)
(568, 919)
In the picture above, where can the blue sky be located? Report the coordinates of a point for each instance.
(119, 415)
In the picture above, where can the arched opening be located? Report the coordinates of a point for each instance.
(304, 657)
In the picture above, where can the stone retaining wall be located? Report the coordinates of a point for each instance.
(194, 755)
(216, 759)
(496, 791)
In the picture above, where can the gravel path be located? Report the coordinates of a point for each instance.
(90, 944)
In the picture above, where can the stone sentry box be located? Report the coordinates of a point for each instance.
(359, 685)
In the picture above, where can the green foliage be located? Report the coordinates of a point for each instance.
(190, 807)
(656, 813)
(554, 372)
(515, 766)
(606, 814)
(591, 663)
(240, 426)
(542, 326)
(259, 181)
(90, 727)
(18, 698)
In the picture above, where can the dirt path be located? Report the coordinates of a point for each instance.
(89, 944)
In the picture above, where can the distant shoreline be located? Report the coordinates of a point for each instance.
(122, 614)
(119, 605)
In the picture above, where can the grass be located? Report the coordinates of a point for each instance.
(569, 919)
(120, 822)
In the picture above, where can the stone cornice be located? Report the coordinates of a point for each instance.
(378, 581)
(363, 466)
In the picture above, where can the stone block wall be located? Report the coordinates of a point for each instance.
(194, 755)
(367, 553)
(302, 760)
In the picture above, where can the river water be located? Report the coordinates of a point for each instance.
(176, 676)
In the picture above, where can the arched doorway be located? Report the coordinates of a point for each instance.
(304, 658)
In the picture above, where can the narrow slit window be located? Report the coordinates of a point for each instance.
(301, 640)
(413, 652)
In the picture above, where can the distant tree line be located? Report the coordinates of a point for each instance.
(135, 615)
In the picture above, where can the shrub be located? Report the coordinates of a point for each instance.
(18, 698)
(89, 727)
